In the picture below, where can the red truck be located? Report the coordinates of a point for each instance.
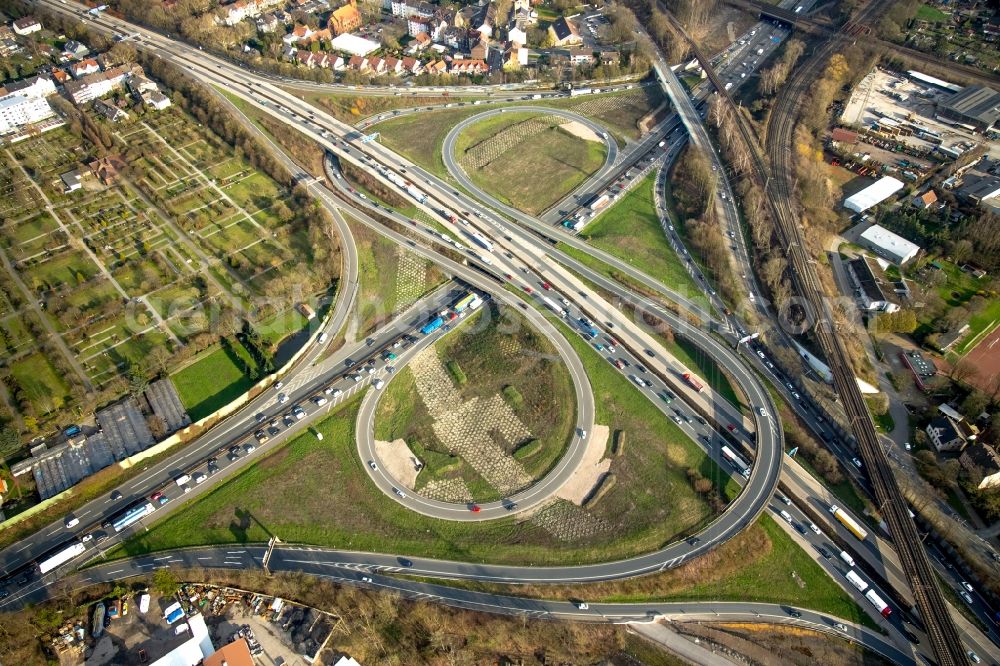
(693, 382)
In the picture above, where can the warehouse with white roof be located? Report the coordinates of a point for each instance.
(888, 245)
(354, 45)
(873, 195)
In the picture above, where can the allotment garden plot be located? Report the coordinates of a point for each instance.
(167, 226)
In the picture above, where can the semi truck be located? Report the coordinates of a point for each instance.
(693, 382)
(575, 225)
(599, 202)
(878, 603)
(848, 522)
(580, 91)
(481, 241)
(432, 325)
(416, 194)
(736, 461)
(552, 305)
(856, 580)
(61, 556)
(465, 302)
(132, 515)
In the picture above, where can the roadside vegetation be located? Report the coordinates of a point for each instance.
(630, 230)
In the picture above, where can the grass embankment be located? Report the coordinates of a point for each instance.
(390, 277)
(215, 379)
(527, 160)
(352, 108)
(496, 353)
(631, 231)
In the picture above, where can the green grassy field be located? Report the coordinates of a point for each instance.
(497, 352)
(213, 381)
(528, 171)
(42, 385)
(631, 231)
(931, 14)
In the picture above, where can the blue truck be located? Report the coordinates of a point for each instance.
(432, 326)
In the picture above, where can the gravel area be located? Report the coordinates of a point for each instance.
(398, 461)
(593, 466)
(580, 131)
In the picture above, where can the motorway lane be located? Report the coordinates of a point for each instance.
(328, 564)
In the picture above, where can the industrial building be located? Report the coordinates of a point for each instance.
(873, 293)
(976, 106)
(888, 245)
(873, 195)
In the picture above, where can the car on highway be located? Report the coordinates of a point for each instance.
(973, 657)
(116, 495)
(298, 412)
(762, 412)
(857, 462)
(371, 463)
(967, 586)
(199, 477)
(278, 385)
(966, 596)
(582, 605)
(282, 398)
(71, 521)
(475, 508)
(261, 436)
(86, 538)
(815, 529)
(824, 552)
(399, 492)
(260, 418)
(378, 384)
(249, 447)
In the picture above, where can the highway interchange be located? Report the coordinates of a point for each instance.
(528, 253)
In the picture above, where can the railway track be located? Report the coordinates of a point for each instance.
(941, 630)
(820, 27)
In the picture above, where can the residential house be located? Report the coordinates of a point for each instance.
(515, 57)
(480, 51)
(96, 85)
(468, 66)
(563, 33)
(421, 40)
(393, 66)
(108, 169)
(945, 434)
(235, 12)
(416, 25)
(140, 84)
(345, 19)
(609, 57)
(300, 33)
(376, 65)
(267, 23)
(8, 44)
(436, 67)
(983, 465)
(26, 26)
(456, 38)
(156, 100)
(925, 200)
(581, 56)
(483, 20)
(356, 63)
(73, 180)
(408, 8)
(73, 49)
(517, 36)
(288, 52)
(61, 76)
(84, 67)
(411, 65)
(34, 86)
(109, 111)
(336, 62)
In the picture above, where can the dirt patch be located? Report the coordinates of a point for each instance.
(398, 461)
(580, 131)
(593, 466)
(985, 358)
